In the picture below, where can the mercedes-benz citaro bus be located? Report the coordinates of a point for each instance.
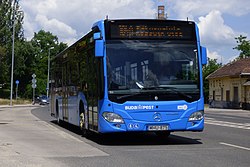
(131, 75)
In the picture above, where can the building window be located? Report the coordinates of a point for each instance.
(133, 71)
(118, 76)
(144, 65)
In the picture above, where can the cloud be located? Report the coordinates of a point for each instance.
(72, 19)
(216, 34)
(194, 8)
(214, 55)
(220, 58)
(56, 27)
(29, 26)
(214, 31)
(218, 37)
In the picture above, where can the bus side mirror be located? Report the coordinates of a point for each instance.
(97, 36)
(99, 45)
(203, 55)
(99, 48)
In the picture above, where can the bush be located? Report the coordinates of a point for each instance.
(4, 93)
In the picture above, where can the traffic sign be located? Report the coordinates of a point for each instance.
(17, 82)
(33, 80)
(34, 85)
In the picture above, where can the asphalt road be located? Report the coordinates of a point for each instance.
(225, 142)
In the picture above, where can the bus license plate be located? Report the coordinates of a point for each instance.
(157, 127)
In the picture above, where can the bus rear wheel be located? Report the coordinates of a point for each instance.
(57, 113)
(84, 131)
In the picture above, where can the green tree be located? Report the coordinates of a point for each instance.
(30, 56)
(43, 43)
(243, 46)
(209, 68)
(6, 29)
(23, 66)
(33, 59)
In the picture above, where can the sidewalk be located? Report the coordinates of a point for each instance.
(28, 141)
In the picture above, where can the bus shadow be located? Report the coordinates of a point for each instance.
(141, 138)
(69, 127)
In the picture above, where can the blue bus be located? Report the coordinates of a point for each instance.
(134, 75)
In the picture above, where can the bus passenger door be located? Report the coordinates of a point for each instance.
(65, 95)
(92, 90)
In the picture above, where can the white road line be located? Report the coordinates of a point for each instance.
(228, 124)
(235, 146)
(170, 149)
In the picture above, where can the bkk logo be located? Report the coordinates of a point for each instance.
(182, 107)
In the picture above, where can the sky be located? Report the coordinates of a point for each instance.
(219, 21)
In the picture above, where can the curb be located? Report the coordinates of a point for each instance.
(19, 105)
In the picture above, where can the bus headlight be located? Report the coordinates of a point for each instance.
(112, 117)
(196, 116)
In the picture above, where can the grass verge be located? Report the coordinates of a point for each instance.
(14, 101)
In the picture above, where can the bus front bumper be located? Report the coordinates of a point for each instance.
(134, 125)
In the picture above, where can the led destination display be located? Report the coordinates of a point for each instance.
(151, 29)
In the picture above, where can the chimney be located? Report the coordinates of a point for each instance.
(161, 12)
(161, 15)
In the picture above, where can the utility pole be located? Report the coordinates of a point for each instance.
(47, 89)
(13, 50)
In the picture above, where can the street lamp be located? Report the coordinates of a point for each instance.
(47, 89)
(13, 45)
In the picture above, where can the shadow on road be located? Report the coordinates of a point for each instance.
(141, 138)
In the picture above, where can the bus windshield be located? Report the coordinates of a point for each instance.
(152, 70)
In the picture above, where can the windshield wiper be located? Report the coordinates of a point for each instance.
(172, 89)
(139, 84)
(129, 95)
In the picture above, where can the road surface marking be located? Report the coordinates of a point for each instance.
(232, 145)
(212, 121)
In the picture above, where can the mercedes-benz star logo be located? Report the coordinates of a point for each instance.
(156, 98)
(157, 117)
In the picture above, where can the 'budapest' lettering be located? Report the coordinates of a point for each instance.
(140, 107)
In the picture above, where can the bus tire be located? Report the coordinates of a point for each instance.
(57, 114)
(85, 132)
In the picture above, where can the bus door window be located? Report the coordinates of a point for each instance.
(83, 73)
(92, 88)
(65, 92)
